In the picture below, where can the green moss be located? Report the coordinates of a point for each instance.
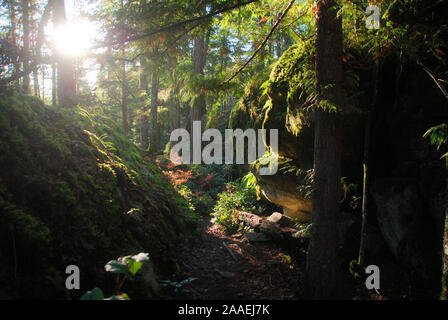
(280, 100)
(65, 189)
(290, 86)
(248, 113)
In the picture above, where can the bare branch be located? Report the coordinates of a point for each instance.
(441, 87)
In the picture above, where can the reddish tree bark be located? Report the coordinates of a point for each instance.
(323, 265)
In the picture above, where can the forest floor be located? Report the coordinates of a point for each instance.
(231, 267)
(215, 265)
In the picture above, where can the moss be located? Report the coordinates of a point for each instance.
(66, 187)
(277, 99)
(248, 113)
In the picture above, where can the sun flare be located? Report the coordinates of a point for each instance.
(74, 38)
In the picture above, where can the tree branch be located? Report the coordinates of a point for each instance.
(261, 45)
(173, 25)
(441, 87)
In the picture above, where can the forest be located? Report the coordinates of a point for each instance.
(222, 150)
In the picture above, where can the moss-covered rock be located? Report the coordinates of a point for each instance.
(288, 89)
(278, 100)
(248, 112)
(74, 190)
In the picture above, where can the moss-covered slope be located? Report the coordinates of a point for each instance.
(73, 190)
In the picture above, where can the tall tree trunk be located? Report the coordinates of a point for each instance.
(43, 69)
(175, 121)
(26, 44)
(36, 50)
(54, 84)
(155, 129)
(12, 15)
(124, 93)
(66, 88)
(444, 295)
(323, 268)
(366, 167)
(144, 138)
(198, 108)
(36, 83)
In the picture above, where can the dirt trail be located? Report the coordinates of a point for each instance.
(230, 267)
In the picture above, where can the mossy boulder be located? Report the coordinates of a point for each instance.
(74, 190)
(286, 106)
(289, 97)
(274, 101)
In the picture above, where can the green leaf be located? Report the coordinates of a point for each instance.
(133, 266)
(136, 262)
(116, 266)
(95, 294)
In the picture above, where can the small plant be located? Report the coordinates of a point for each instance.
(438, 135)
(249, 181)
(235, 197)
(189, 202)
(304, 178)
(177, 287)
(125, 267)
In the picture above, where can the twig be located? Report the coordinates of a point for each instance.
(442, 88)
(230, 251)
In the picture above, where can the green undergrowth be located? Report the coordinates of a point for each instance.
(236, 197)
(74, 190)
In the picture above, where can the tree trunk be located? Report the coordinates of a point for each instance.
(36, 48)
(366, 167)
(54, 84)
(144, 139)
(12, 12)
(155, 129)
(177, 121)
(26, 44)
(124, 94)
(323, 268)
(444, 294)
(36, 83)
(43, 69)
(66, 86)
(198, 108)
